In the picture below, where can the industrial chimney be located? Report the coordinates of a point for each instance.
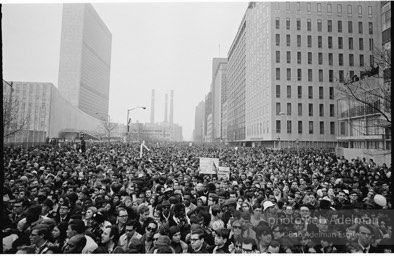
(166, 109)
(152, 108)
(172, 107)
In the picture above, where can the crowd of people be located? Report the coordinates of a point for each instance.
(109, 199)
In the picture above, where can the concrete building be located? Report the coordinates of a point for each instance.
(156, 132)
(208, 111)
(284, 64)
(363, 131)
(236, 81)
(85, 59)
(199, 122)
(217, 86)
(50, 114)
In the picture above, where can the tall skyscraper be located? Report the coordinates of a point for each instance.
(152, 108)
(85, 60)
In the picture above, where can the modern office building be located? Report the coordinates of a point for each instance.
(218, 85)
(199, 122)
(85, 59)
(236, 81)
(363, 129)
(284, 64)
(49, 114)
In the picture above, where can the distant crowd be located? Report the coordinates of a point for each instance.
(106, 198)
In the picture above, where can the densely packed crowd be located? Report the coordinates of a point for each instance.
(109, 200)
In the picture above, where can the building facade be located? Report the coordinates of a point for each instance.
(217, 86)
(284, 64)
(198, 133)
(236, 81)
(50, 115)
(85, 59)
(363, 129)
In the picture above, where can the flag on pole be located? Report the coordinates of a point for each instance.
(143, 146)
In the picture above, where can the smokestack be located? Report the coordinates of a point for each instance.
(152, 108)
(172, 107)
(166, 109)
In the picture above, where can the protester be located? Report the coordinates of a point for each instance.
(273, 200)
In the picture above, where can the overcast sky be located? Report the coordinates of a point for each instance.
(163, 46)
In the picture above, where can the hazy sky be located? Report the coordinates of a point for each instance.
(163, 46)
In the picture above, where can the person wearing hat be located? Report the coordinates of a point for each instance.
(228, 209)
(166, 213)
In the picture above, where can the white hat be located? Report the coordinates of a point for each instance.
(267, 204)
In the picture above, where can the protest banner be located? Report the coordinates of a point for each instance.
(208, 165)
(223, 173)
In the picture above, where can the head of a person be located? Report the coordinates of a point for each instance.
(122, 216)
(175, 234)
(131, 225)
(264, 234)
(221, 237)
(245, 219)
(304, 211)
(60, 230)
(143, 212)
(110, 233)
(197, 239)
(19, 206)
(89, 212)
(278, 231)
(248, 245)
(237, 227)
(245, 207)
(39, 233)
(323, 224)
(75, 227)
(365, 234)
(75, 244)
(273, 247)
(150, 229)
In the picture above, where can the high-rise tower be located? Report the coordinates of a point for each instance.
(85, 59)
(152, 108)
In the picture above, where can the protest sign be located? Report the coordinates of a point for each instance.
(208, 165)
(223, 173)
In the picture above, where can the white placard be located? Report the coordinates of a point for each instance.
(224, 173)
(208, 165)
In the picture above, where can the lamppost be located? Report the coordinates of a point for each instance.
(128, 120)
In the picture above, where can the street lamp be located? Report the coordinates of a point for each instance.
(128, 120)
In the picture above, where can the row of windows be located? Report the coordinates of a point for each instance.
(300, 127)
(310, 92)
(319, 26)
(299, 109)
(330, 43)
(320, 61)
(340, 78)
(328, 8)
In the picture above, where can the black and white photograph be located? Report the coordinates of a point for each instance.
(196, 127)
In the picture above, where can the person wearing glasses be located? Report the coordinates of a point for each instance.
(131, 233)
(197, 243)
(38, 238)
(249, 245)
(121, 220)
(147, 238)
